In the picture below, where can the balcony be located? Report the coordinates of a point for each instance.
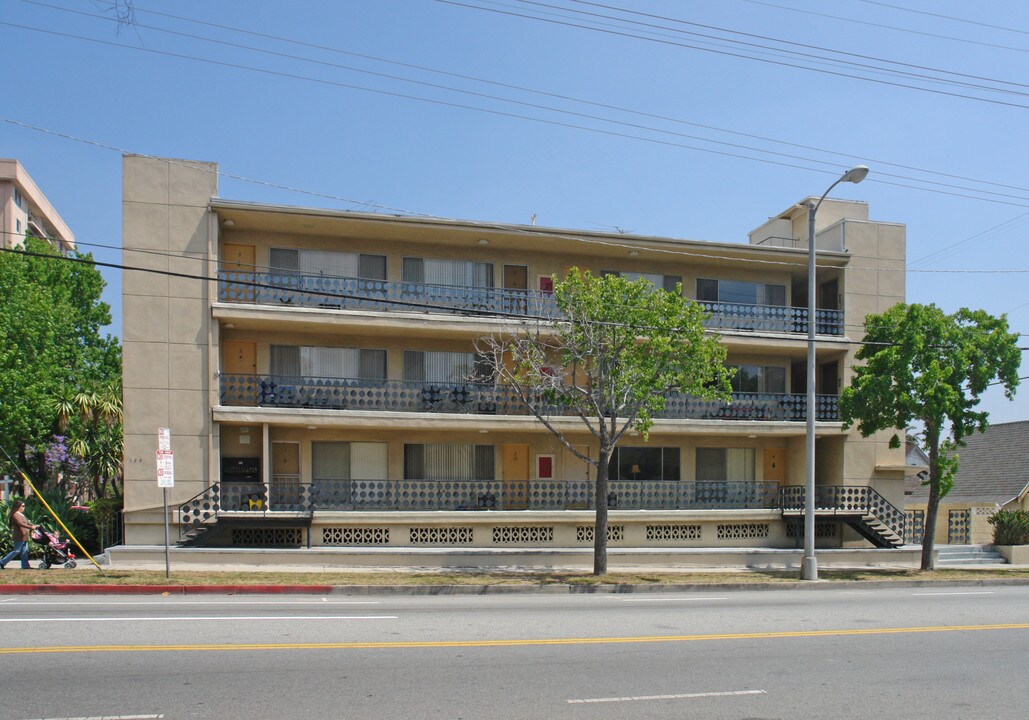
(456, 495)
(470, 399)
(320, 291)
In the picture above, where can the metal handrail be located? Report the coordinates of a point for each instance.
(325, 291)
(267, 499)
(845, 498)
(486, 399)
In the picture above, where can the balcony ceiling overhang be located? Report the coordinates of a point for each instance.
(280, 219)
(441, 422)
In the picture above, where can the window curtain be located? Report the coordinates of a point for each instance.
(440, 271)
(437, 461)
(441, 367)
(330, 461)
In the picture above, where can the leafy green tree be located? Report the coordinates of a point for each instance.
(50, 321)
(922, 365)
(610, 359)
(93, 419)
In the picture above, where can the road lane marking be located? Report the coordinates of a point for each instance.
(679, 696)
(975, 592)
(201, 617)
(172, 602)
(109, 717)
(406, 645)
(691, 599)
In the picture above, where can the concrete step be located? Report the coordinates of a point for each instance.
(968, 555)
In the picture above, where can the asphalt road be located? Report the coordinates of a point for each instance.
(897, 653)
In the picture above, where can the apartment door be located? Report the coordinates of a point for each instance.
(775, 465)
(239, 261)
(239, 373)
(285, 492)
(515, 475)
(516, 286)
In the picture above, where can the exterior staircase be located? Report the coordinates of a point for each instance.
(862, 508)
(950, 555)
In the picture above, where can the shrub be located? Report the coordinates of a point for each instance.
(78, 521)
(1010, 527)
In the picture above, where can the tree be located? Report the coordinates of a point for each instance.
(94, 419)
(615, 352)
(50, 321)
(922, 365)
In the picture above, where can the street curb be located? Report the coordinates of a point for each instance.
(521, 589)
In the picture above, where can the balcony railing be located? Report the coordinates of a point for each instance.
(322, 291)
(846, 499)
(478, 399)
(454, 495)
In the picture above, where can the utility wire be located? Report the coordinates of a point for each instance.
(488, 314)
(415, 214)
(947, 17)
(997, 199)
(861, 56)
(889, 27)
(559, 96)
(742, 55)
(535, 106)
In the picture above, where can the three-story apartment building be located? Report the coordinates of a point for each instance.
(318, 371)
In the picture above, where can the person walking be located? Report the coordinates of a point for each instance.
(20, 529)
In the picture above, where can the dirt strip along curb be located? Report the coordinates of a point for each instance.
(72, 589)
(526, 588)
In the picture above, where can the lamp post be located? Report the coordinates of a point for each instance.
(809, 566)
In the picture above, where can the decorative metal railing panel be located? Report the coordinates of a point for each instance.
(323, 291)
(914, 527)
(848, 499)
(448, 495)
(471, 398)
(958, 525)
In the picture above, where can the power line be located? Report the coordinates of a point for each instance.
(888, 27)
(497, 314)
(284, 273)
(506, 228)
(996, 199)
(953, 248)
(520, 88)
(537, 92)
(789, 42)
(947, 17)
(746, 57)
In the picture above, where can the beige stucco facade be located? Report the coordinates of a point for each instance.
(179, 334)
(25, 209)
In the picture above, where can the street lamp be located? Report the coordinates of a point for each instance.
(809, 566)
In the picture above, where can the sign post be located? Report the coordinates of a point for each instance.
(165, 480)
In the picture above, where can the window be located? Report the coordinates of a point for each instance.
(665, 282)
(444, 367)
(725, 464)
(438, 461)
(328, 362)
(738, 291)
(645, 463)
(330, 263)
(19, 200)
(440, 271)
(347, 461)
(759, 379)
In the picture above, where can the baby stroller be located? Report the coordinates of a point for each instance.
(54, 551)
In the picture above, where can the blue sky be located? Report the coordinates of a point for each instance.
(715, 143)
